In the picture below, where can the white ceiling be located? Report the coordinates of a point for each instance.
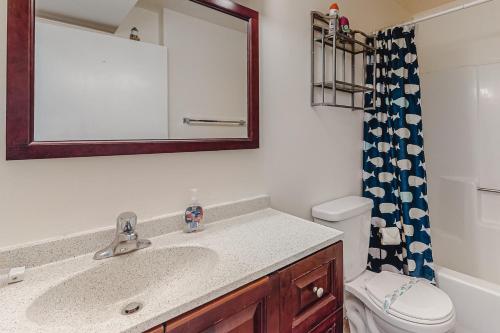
(91, 13)
(417, 6)
(193, 9)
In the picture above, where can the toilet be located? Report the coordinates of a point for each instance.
(376, 302)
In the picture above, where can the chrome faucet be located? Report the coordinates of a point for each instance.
(126, 239)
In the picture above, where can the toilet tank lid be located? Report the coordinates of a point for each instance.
(342, 209)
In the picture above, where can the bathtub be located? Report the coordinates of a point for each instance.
(477, 302)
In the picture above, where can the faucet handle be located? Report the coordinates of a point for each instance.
(126, 222)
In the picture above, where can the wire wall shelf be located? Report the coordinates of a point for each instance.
(339, 64)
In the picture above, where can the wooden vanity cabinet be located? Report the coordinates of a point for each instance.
(311, 291)
(305, 297)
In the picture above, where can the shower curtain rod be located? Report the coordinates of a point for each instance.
(444, 12)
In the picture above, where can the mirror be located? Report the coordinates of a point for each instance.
(138, 70)
(132, 76)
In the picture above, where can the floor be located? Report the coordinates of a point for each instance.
(346, 326)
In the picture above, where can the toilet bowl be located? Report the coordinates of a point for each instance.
(383, 302)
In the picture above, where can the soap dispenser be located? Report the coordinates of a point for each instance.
(194, 214)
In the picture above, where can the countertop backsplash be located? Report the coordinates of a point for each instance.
(51, 250)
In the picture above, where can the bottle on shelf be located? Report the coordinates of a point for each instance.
(334, 15)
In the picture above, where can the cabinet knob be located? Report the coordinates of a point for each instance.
(318, 291)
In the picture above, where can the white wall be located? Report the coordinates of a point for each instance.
(199, 51)
(466, 38)
(119, 93)
(47, 198)
(307, 156)
(311, 155)
(148, 21)
(107, 17)
(460, 62)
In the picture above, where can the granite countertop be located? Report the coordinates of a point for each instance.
(225, 256)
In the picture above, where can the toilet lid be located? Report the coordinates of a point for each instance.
(420, 302)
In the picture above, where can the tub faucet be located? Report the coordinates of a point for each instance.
(126, 238)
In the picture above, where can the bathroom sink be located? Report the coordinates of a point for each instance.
(90, 296)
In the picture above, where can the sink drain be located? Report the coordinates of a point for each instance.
(131, 308)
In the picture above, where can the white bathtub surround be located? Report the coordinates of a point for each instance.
(476, 301)
(225, 256)
(460, 89)
(47, 251)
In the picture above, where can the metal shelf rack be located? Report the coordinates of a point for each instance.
(350, 45)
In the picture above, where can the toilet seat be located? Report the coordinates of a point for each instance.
(413, 313)
(418, 301)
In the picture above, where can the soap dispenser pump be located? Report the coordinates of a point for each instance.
(194, 214)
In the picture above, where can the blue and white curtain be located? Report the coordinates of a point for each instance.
(394, 173)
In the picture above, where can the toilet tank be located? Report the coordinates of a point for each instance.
(351, 215)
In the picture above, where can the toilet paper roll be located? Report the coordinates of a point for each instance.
(390, 236)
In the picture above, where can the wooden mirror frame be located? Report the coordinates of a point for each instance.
(20, 96)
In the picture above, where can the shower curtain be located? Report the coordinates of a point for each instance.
(394, 173)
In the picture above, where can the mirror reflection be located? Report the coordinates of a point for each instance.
(138, 70)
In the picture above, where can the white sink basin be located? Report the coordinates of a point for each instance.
(88, 297)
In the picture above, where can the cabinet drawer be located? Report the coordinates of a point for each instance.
(311, 290)
(158, 329)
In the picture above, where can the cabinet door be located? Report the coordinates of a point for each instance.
(332, 324)
(247, 310)
(311, 290)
